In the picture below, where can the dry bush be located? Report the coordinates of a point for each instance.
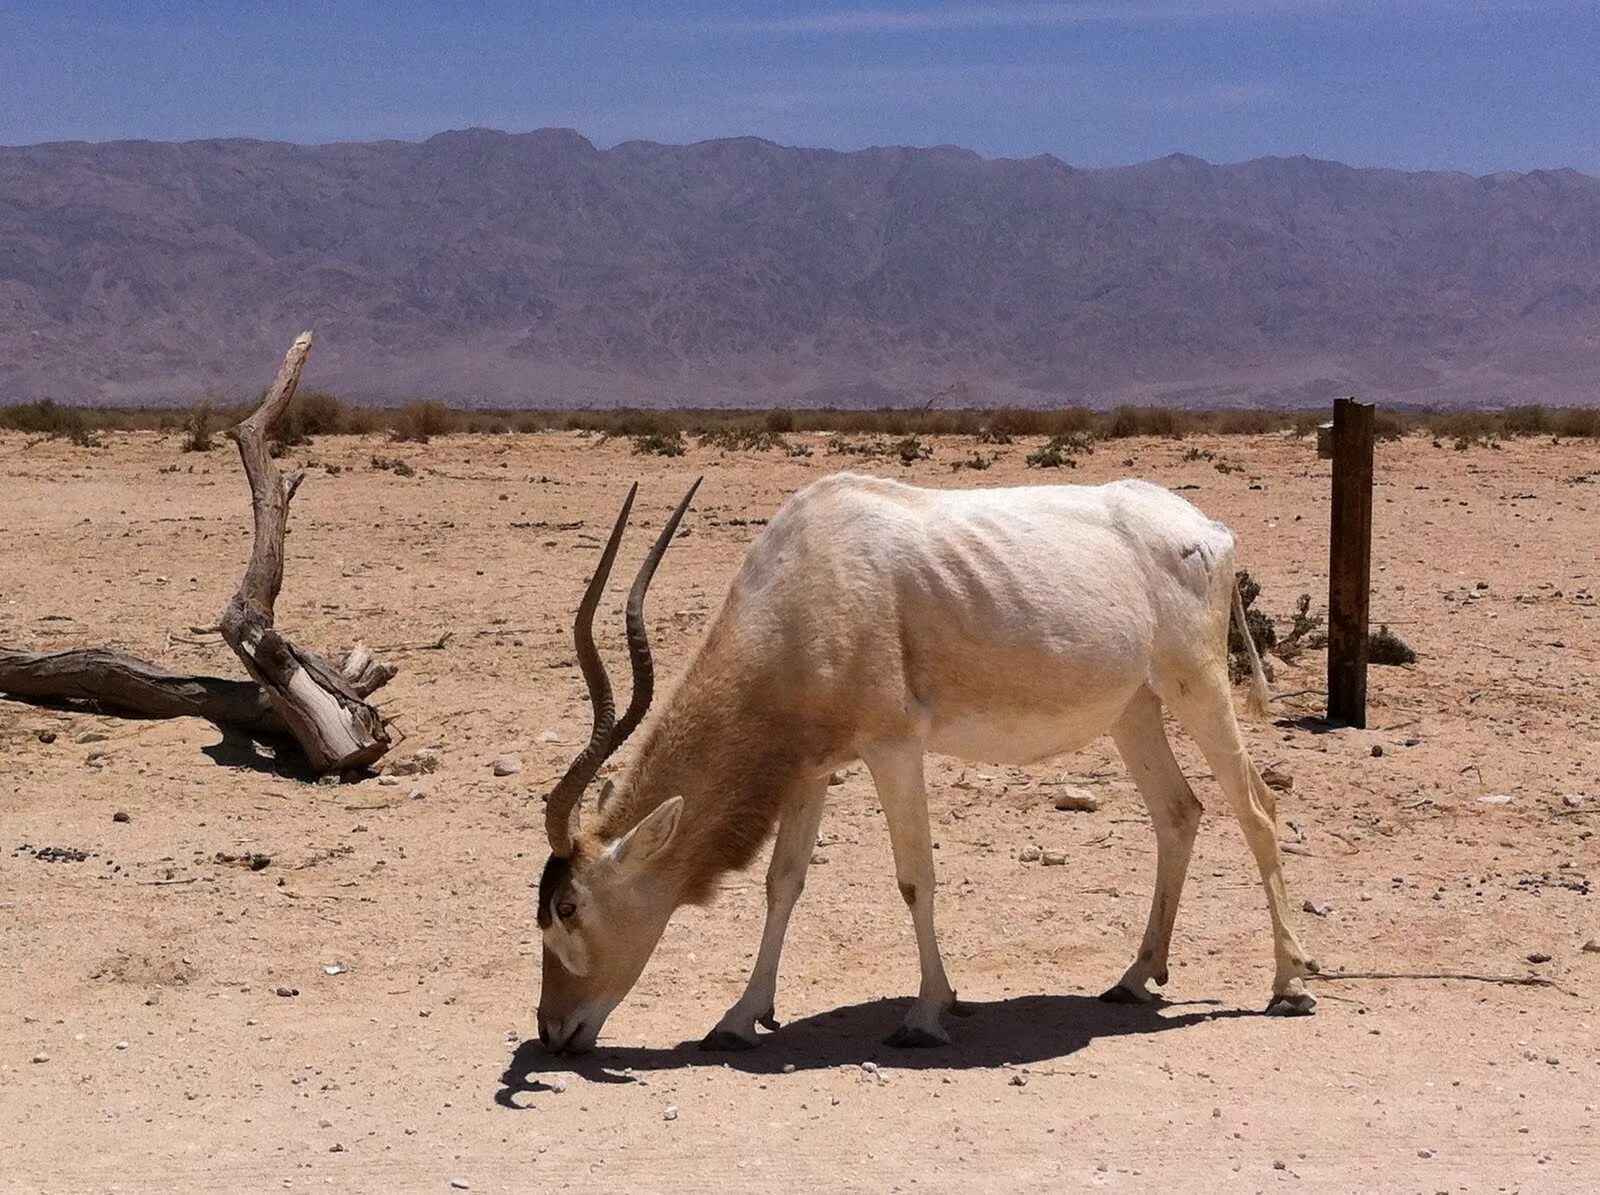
(660, 444)
(1579, 421)
(1385, 647)
(49, 418)
(1262, 630)
(198, 428)
(1148, 421)
(420, 421)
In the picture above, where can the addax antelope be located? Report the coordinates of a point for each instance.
(879, 621)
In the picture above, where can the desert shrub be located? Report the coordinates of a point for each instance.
(317, 414)
(993, 435)
(1262, 630)
(420, 421)
(1061, 452)
(1305, 633)
(738, 438)
(911, 450)
(395, 465)
(1386, 426)
(1247, 423)
(198, 428)
(779, 421)
(1579, 421)
(47, 418)
(976, 461)
(1385, 647)
(1146, 421)
(1199, 454)
(660, 444)
(1527, 421)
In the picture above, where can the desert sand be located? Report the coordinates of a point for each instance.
(144, 1045)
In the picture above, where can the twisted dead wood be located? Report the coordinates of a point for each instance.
(323, 710)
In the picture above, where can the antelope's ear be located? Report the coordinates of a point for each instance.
(607, 791)
(649, 837)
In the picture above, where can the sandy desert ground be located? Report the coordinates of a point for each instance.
(144, 1047)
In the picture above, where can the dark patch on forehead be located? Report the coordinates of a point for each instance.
(556, 871)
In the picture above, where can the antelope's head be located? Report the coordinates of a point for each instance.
(603, 903)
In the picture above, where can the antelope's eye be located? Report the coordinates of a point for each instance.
(566, 909)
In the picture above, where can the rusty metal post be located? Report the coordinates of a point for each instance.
(1350, 562)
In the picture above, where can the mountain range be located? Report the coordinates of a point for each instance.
(534, 269)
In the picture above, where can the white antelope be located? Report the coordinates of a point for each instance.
(878, 621)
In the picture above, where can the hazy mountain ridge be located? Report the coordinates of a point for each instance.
(534, 269)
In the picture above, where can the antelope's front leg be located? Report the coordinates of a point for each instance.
(786, 879)
(897, 772)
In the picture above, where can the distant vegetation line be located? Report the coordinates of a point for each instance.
(322, 414)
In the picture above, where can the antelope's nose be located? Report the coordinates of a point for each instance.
(544, 1031)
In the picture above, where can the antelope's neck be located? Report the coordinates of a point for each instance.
(733, 768)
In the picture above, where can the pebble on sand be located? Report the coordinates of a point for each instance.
(121, 815)
(670, 1112)
(460, 1184)
(507, 765)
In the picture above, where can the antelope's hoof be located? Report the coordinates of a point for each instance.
(726, 1040)
(909, 1038)
(1292, 1004)
(769, 1020)
(1120, 994)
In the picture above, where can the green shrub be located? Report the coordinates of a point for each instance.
(660, 444)
(1385, 647)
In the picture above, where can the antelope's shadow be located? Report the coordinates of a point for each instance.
(1017, 1030)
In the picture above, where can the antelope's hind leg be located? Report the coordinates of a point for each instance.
(1206, 712)
(1141, 740)
(786, 879)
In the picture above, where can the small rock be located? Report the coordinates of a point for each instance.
(1592, 946)
(329, 780)
(558, 1086)
(288, 991)
(1538, 956)
(324, 1123)
(1424, 1153)
(1029, 854)
(121, 815)
(388, 781)
(788, 1068)
(835, 779)
(336, 1148)
(1279, 1164)
(549, 736)
(670, 1112)
(90, 736)
(417, 794)
(870, 1067)
(1573, 800)
(1377, 750)
(1019, 1080)
(460, 1184)
(45, 736)
(1495, 799)
(41, 1056)
(335, 969)
(122, 1045)
(1277, 781)
(818, 857)
(1053, 858)
(97, 759)
(1317, 908)
(1077, 800)
(507, 765)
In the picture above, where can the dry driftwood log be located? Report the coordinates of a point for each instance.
(321, 708)
(119, 682)
(295, 691)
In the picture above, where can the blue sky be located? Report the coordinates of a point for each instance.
(1476, 85)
